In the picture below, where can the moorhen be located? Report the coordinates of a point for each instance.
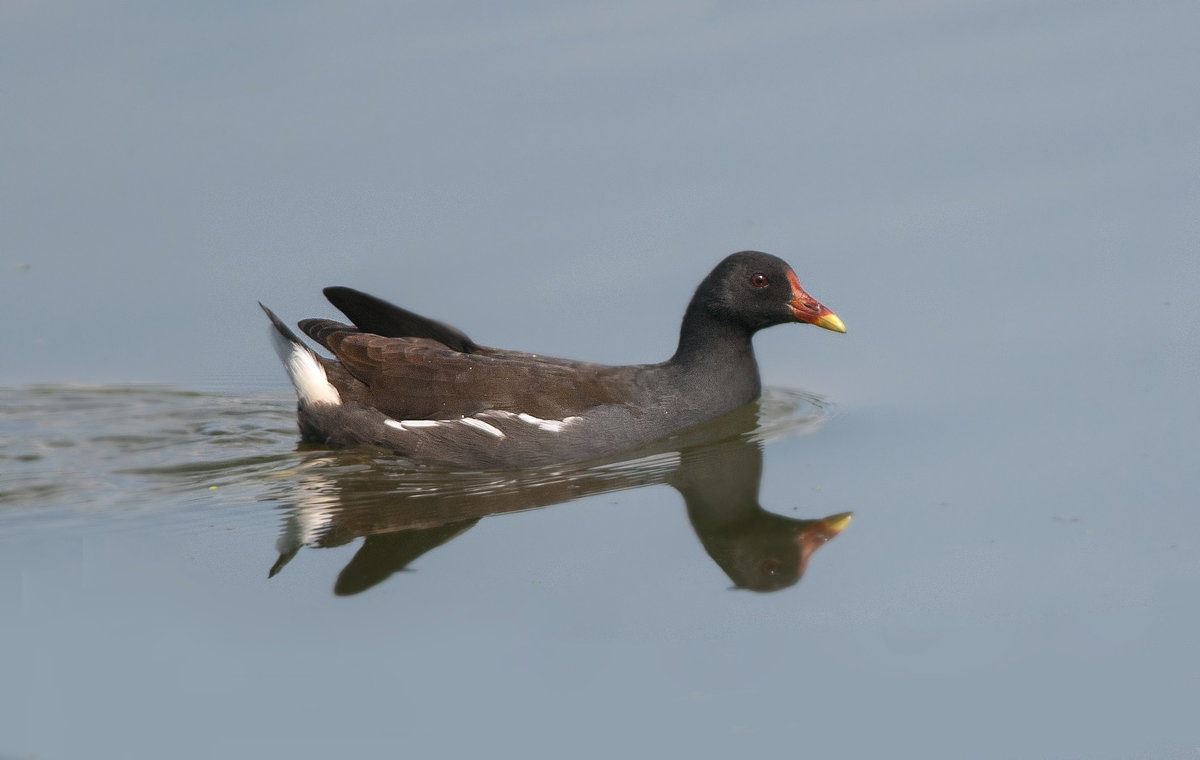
(424, 390)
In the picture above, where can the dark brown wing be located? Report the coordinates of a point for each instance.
(421, 378)
(375, 315)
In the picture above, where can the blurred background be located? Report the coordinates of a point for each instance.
(1000, 199)
(558, 177)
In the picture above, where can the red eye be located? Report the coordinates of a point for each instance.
(759, 280)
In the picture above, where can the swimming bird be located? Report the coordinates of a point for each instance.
(423, 390)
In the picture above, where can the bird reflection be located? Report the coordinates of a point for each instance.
(404, 513)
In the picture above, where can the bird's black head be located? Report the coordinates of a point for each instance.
(756, 290)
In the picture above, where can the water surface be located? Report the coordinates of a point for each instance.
(999, 199)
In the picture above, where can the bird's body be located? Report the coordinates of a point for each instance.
(423, 390)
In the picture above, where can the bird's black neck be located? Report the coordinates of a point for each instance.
(716, 356)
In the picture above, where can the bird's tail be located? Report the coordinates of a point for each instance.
(302, 365)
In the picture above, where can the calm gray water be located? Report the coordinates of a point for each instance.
(1000, 200)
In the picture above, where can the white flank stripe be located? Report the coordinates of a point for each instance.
(309, 378)
(420, 423)
(553, 426)
(483, 426)
(409, 425)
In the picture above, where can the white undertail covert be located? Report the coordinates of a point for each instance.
(308, 376)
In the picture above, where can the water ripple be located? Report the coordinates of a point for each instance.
(108, 451)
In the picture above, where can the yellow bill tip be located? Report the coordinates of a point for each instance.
(830, 321)
(835, 524)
